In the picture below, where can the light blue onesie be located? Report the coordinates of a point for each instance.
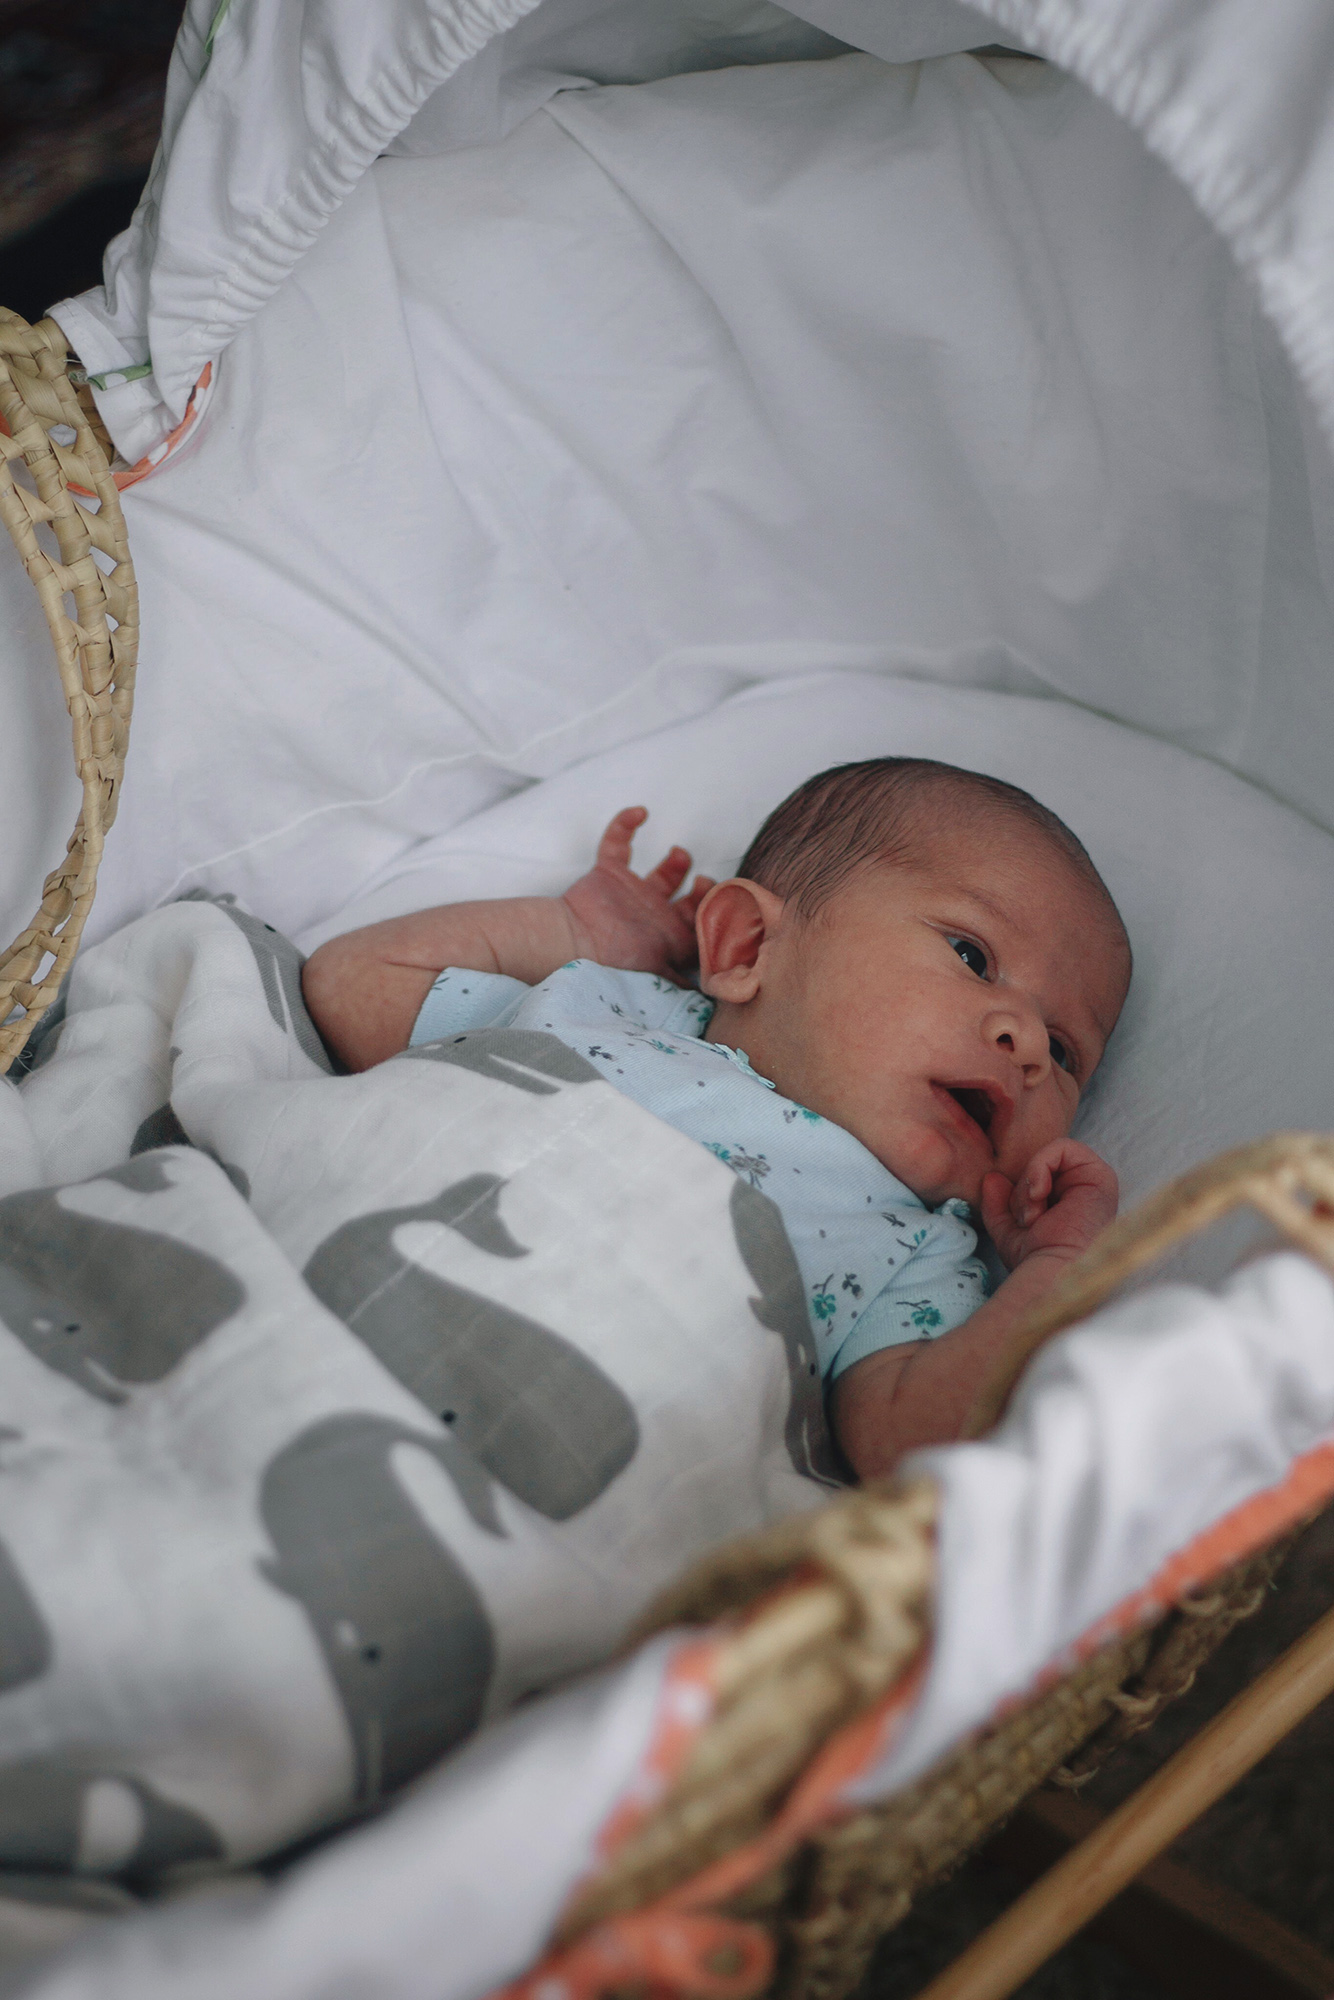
(879, 1266)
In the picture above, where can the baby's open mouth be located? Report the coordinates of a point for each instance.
(976, 1104)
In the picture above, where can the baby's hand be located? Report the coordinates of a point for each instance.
(1060, 1202)
(630, 921)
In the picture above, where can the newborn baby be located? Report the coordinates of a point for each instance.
(902, 993)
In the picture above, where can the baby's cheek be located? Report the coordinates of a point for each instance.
(1061, 1106)
(1049, 1122)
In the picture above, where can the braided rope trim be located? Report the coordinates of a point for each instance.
(1201, 1624)
(56, 486)
(863, 1876)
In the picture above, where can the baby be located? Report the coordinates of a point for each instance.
(902, 994)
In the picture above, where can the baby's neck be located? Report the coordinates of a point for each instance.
(740, 1028)
(726, 1025)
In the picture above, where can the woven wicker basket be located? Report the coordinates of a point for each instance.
(825, 1614)
(60, 503)
(830, 1898)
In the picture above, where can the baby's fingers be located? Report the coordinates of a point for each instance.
(996, 1192)
(618, 839)
(690, 902)
(1032, 1191)
(670, 872)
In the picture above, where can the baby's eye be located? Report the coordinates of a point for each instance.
(1060, 1054)
(972, 955)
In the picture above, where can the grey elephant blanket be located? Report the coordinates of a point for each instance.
(337, 1413)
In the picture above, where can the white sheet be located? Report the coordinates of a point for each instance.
(565, 43)
(1145, 1420)
(275, 110)
(263, 141)
(705, 382)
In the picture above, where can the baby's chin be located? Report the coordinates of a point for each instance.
(930, 1167)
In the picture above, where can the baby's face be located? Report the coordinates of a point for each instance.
(948, 1014)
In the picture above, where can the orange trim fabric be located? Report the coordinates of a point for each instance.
(709, 1958)
(688, 1693)
(814, 1798)
(1251, 1526)
(160, 452)
(744, 1950)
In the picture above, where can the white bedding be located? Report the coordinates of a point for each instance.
(273, 114)
(545, 445)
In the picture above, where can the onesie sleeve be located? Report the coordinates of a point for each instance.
(940, 1286)
(460, 1000)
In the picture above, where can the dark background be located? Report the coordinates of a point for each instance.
(81, 85)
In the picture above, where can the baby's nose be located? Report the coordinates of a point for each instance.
(1022, 1035)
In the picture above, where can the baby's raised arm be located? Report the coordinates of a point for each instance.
(365, 989)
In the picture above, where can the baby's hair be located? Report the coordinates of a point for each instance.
(886, 810)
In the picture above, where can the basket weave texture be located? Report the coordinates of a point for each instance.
(862, 1877)
(51, 443)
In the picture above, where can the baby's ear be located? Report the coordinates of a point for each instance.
(731, 927)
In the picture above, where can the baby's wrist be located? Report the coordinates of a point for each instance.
(576, 940)
(609, 940)
(527, 937)
(1048, 1258)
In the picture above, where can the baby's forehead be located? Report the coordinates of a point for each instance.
(1020, 868)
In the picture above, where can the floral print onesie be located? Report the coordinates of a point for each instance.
(879, 1267)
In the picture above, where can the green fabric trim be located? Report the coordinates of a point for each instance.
(219, 16)
(135, 374)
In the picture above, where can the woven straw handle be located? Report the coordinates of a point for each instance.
(1288, 1178)
(51, 442)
